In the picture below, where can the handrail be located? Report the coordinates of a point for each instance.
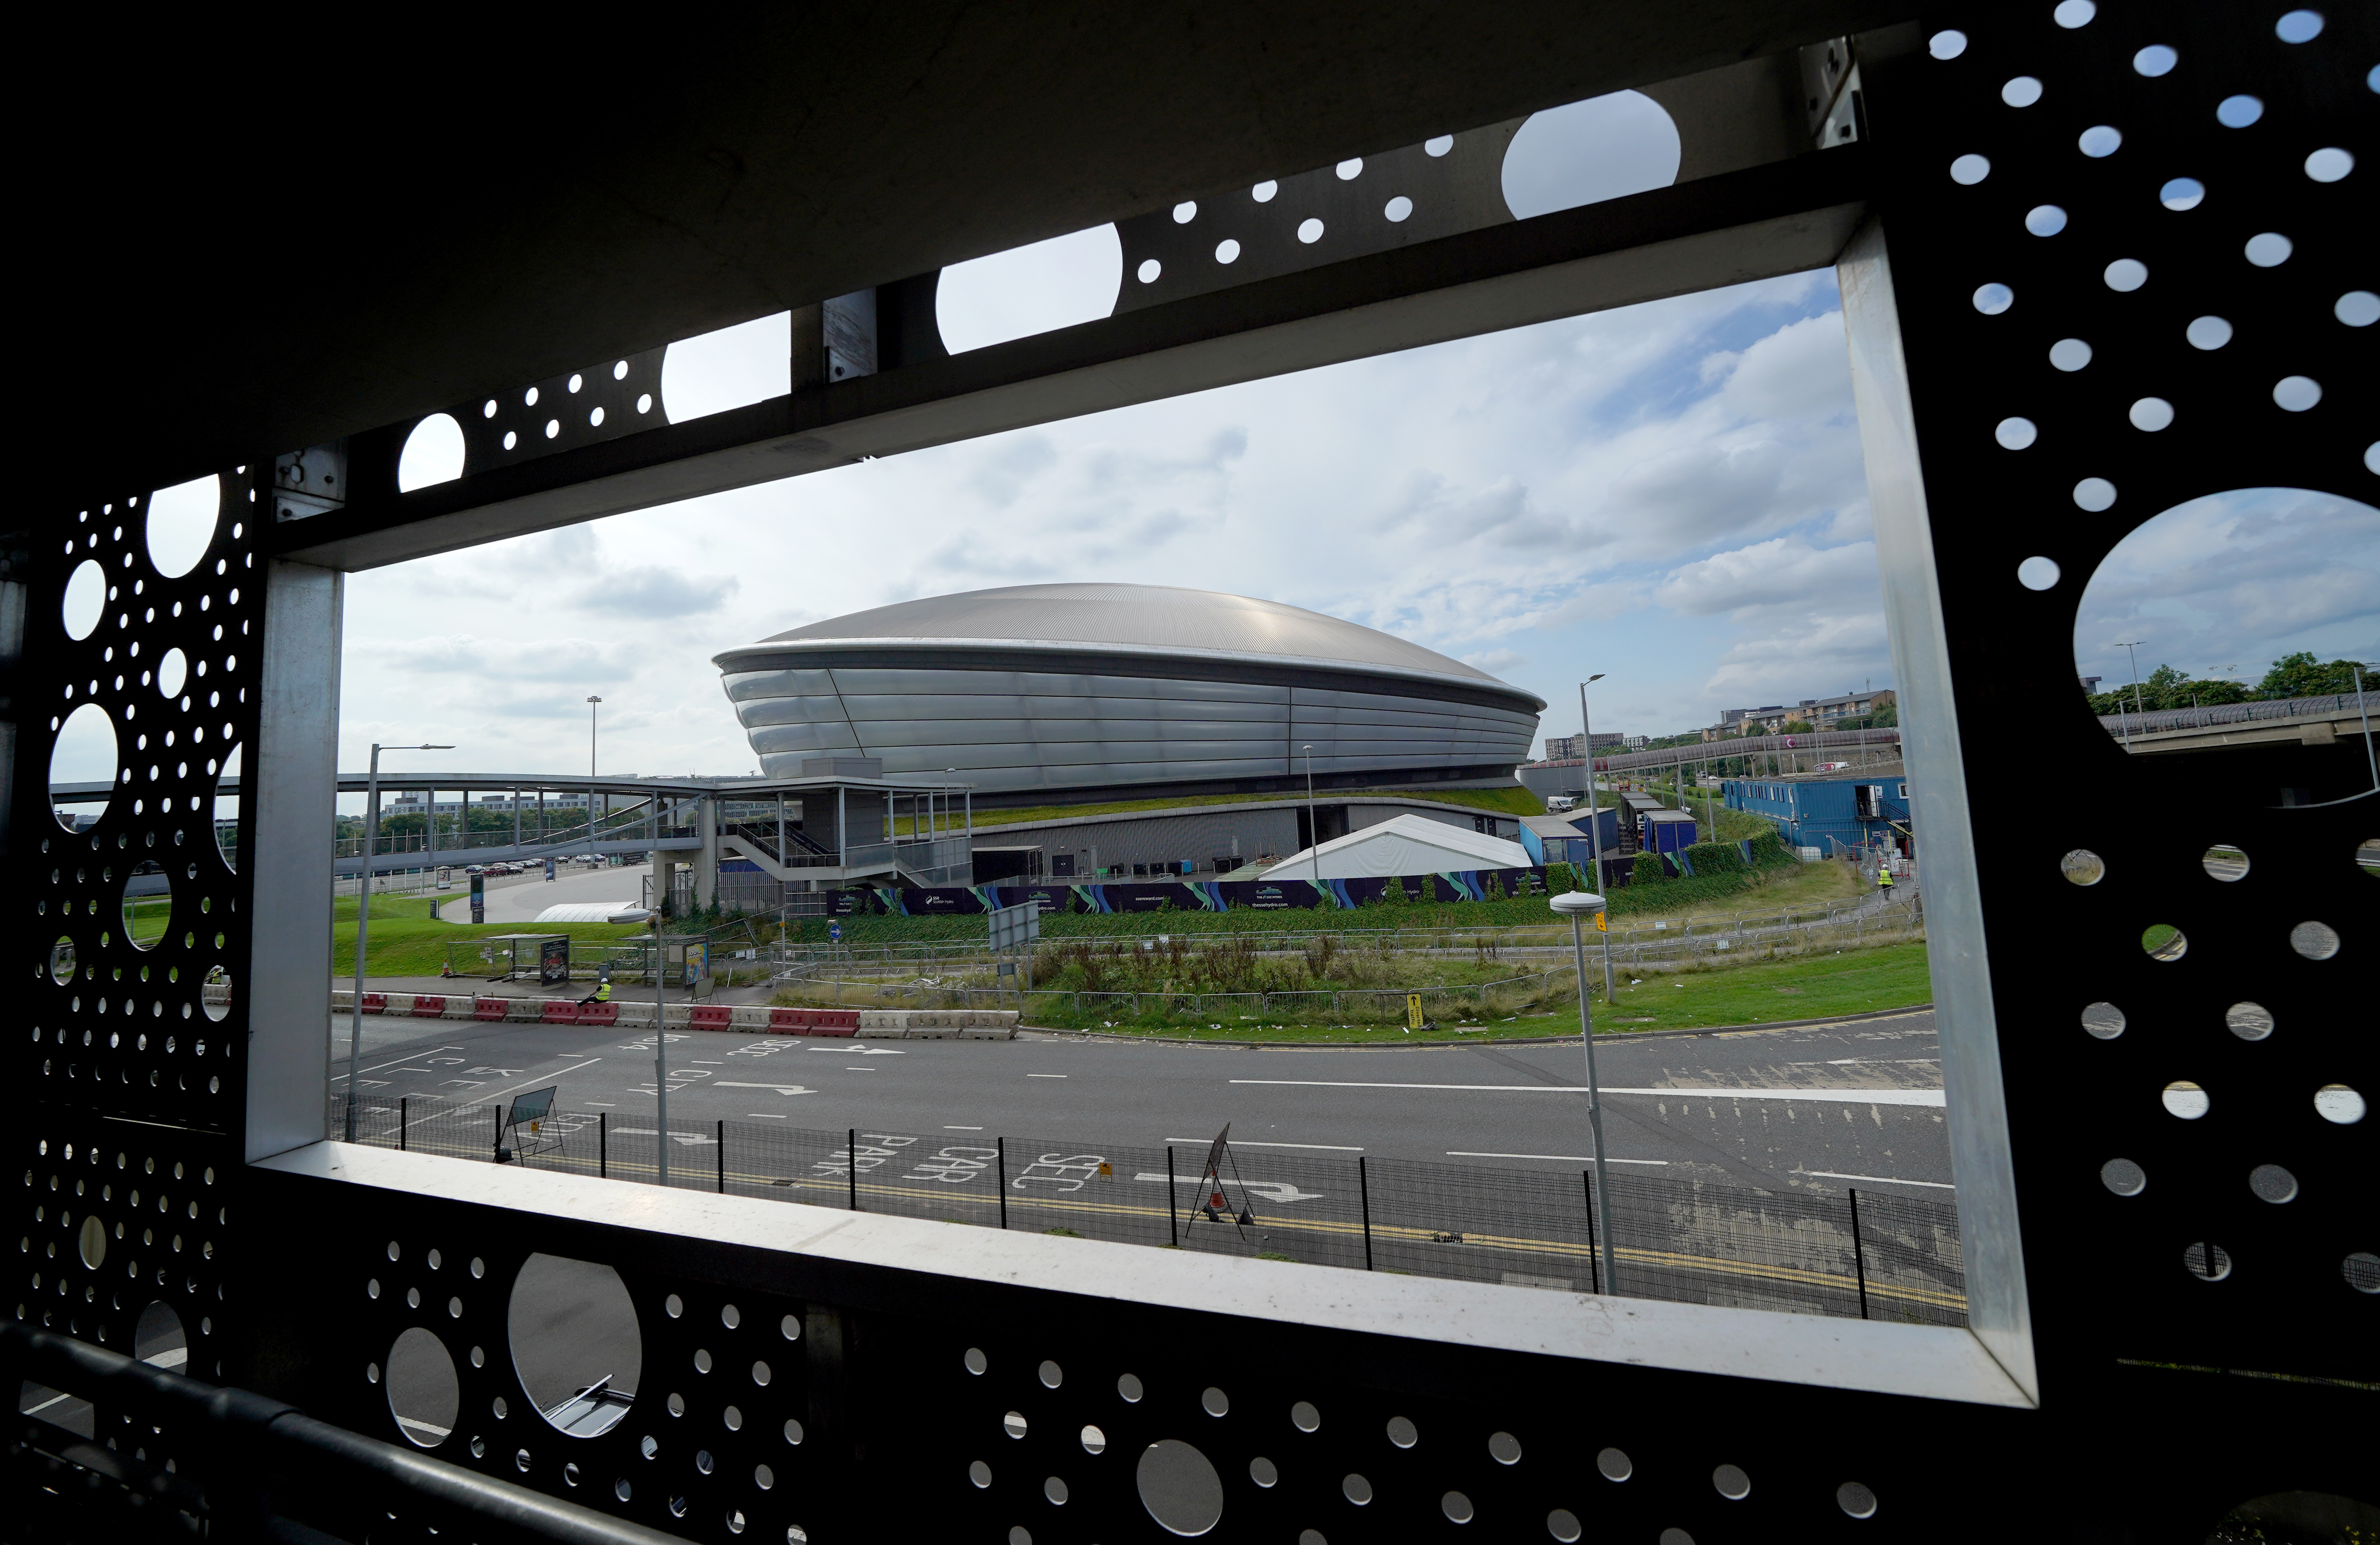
(238, 1441)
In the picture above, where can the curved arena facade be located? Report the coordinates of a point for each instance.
(1070, 692)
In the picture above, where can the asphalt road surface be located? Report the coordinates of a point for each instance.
(1824, 1107)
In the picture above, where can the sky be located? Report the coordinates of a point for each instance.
(1670, 494)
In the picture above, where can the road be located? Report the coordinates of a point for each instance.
(1822, 1107)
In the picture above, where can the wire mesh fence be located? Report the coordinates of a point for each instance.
(1860, 1254)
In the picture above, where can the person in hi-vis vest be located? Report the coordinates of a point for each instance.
(1884, 874)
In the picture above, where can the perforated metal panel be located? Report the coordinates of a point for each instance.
(2043, 408)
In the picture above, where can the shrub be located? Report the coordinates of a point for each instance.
(1769, 851)
(1494, 889)
(1715, 857)
(1560, 878)
(1646, 870)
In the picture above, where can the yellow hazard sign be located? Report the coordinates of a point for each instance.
(1107, 1170)
(1413, 1011)
(1602, 922)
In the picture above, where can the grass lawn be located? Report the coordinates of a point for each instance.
(1813, 987)
(405, 943)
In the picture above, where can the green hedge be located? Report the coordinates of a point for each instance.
(1712, 858)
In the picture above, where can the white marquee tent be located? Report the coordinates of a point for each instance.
(1404, 845)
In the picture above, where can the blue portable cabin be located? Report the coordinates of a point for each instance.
(1827, 813)
(1567, 838)
(1668, 831)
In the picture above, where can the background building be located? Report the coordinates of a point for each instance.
(1037, 694)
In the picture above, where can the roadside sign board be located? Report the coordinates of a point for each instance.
(479, 898)
(1012, 927)
(549, 869)
(536, 1105)
(1603, 923)
(1413, 1011)
(553, 961)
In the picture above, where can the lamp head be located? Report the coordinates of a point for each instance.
(1577, 903)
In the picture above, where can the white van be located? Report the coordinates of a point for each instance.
(1561, 802)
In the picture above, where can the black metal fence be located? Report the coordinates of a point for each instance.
(1862, 1255)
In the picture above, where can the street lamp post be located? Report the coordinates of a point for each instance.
(363, 915)
(1595, 828)
(1313, 823)
(661, 1038)
(591, 705)
(2129, 652)
(1577, 906)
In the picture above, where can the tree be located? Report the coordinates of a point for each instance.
(2299, 676)
(1560, 878)
(1796, 727)
(1646, 870)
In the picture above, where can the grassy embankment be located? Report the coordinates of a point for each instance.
(1785, 883)
(1818, 987)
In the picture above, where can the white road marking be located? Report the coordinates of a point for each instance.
(425, 1427)
(408, 1056)
(1847, 1097)
(1271, 1190)
(781, 1088)
(962, 1128)
(1049, 1076)
(541, 1078)
(1878, 1179)
(769, 1115)
(1331, 1148)
(1568, 1158)
(859, 1070)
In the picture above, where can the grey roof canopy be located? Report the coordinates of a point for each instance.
(1050, 689)
(1171, 621)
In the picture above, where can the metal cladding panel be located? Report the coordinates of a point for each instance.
(1008, 728)
(932, 707)
(745, 685)
(861, 680)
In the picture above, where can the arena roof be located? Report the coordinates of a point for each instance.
(1135, 618)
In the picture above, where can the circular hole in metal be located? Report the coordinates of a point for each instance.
(2248, 1021)
(1356, 1489)
(2273, 1183)
(2082, 867)
(575, 1343)
(2338, 1103)
(2186, 1100)
(1128, 1389)
(2225, 862)
(2208, 1263)
(2164, 942)
(1402, 1432)
(1264, 1472)
(980, 1472)
(2315, 941)
(1055, 1489)
(2123, 1177)
(2362, 1270)
(1563, 1524)
(1855, 1500)
(1504, 1448)
(1303, 1415)
(1013, 1424)
(2103, 1020)
(424, 1394)
(1179, 1487)
(1614, 1464)
(976, 1361)
(1094, 1440)
(1051, 1374)
(1457, 1507)
(1214, 1402)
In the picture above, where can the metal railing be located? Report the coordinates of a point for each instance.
(2156, 720)
(125, 1449)
(1861, 1255)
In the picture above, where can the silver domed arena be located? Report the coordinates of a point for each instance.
(1066, 693)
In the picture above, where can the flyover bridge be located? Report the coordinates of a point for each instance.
(748, 839)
